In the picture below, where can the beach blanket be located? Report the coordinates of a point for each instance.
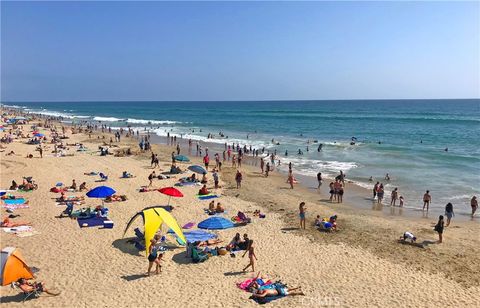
(91, 222)
(207, 197)
(188, 225)
(187, 184)
(18, 229)
(246, 283)
(265, 300)
(14, 201)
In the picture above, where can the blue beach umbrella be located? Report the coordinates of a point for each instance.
(101, 192)
(215, 223)
(39, 135)
(197, 169)
(182, 158)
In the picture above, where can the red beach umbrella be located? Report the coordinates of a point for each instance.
(171, 192)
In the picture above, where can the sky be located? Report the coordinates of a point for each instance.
(161, 51)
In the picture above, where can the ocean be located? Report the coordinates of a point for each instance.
(404, 138)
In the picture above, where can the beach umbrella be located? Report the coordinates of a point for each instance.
(13, 267)
(171, 192)
(101, 192)
(182, 158)
(215, 223)
(197, 169)
(39, 135)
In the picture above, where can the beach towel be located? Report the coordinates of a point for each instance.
(91, 222)
(189, 225)
(15, 206)
(14, 201)
(207, 197)
(18, 229)
(265, 300)
(187, 184)
(246, 283)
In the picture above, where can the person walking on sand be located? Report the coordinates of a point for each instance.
(262, 164)
(394, 197)
(302, 210)
(267, 169)
(427, 199)
(290, 179)
(449, 213)
(150, 178)
(251, 256)
(319, 179)
(439, 228)
(206, 161)
(238, 179)
(40, 150)
(474, 205)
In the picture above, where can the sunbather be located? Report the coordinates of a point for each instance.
(114, 198)
(126, 175)
(235, 242)
(278, 290)
(29, 287)
(6, 223)
(208, 242)
(211, 208)
(203, 191)
(14, 185)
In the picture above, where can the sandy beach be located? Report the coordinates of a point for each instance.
(362, 264)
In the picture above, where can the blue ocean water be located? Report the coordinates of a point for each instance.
(404, 138)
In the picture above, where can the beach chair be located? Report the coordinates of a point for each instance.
(27, 294)
(198, 256)
(103, 177)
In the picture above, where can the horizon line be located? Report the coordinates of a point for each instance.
(236, 101)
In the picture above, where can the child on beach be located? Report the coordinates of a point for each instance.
(439, 228)
(408, 236)
(302, 209)
(474, 205)
(154, 256)
(401, 201)
(251, 256)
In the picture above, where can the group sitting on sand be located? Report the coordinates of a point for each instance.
(212, 209)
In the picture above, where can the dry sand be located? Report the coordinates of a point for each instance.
(360, 265)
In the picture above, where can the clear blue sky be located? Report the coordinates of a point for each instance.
(239, 51)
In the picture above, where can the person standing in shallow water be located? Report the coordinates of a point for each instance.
(427, 199)
(302, 210)
(449, 213)
(394, 197)
(474, 205)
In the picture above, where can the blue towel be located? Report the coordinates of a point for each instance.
(92, 222)
(206, 197)
(14, 201)
(265, 300)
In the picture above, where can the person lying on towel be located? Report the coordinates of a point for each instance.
(203, 191)
(277, 290)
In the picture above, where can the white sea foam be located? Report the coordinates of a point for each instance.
(153, 122)
(107, 119)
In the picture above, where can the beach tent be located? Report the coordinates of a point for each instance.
(153, 218)
(215, 223)
(13, 267)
